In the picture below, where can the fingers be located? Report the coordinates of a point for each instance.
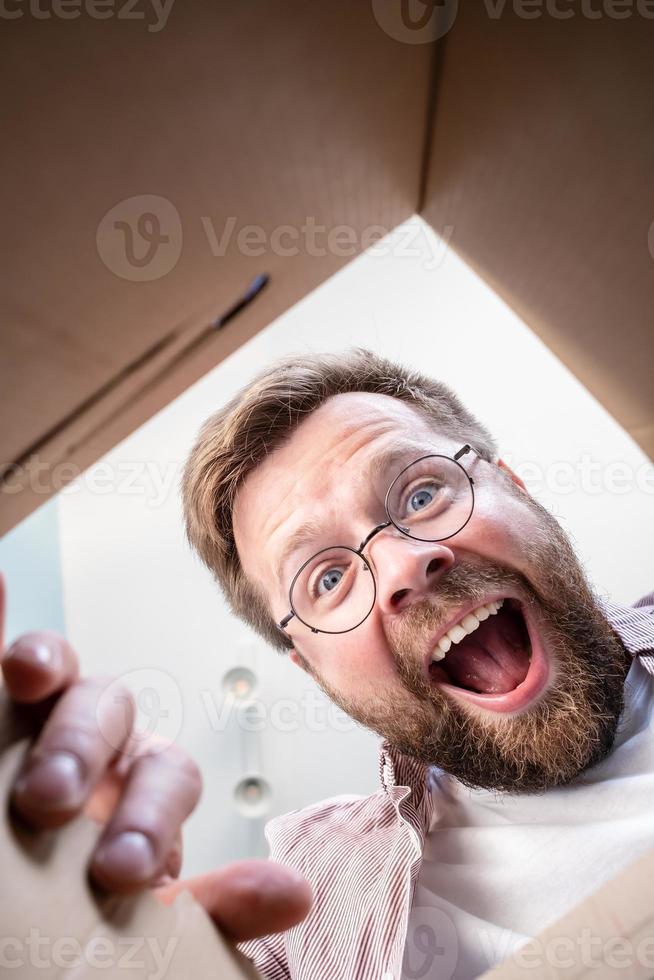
(142, 840)
(87, 756)
(37, 665)
(248, 899)
(77, 743)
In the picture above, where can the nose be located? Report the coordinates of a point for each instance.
(406, 570)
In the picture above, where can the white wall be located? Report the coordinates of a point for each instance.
(30, 562)
(138, 603)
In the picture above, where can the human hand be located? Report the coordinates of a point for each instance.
(85, 757)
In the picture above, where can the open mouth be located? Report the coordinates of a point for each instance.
(491, 657)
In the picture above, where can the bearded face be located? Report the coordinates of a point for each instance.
(569, 728)
(485, 654)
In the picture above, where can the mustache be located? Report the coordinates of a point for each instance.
(462, 585)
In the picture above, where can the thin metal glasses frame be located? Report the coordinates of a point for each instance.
(293, 614)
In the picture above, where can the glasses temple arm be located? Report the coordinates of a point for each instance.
(285, 621)
(466, 449)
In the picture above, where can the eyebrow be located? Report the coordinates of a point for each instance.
(311, 530)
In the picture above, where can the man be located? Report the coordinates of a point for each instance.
(358, 517)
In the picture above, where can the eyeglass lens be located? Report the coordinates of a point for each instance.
(430, 500)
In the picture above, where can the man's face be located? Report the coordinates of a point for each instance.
(531, 696)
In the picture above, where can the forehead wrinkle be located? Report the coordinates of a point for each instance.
(312, 529)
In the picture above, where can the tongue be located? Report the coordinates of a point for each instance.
(494, 659)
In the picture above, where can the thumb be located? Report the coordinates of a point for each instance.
(248, 899)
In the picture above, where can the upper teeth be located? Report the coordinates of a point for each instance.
(468, 624)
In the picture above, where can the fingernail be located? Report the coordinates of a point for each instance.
(31, 651)
(55, 782)
(127, 857)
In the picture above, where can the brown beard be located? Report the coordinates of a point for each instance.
(569, 729)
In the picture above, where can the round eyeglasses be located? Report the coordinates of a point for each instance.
(431, 499)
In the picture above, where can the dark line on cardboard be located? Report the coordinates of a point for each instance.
(88, 403)
(196, 343)
(253, 290)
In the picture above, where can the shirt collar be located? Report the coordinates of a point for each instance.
(406, 781)
(633, 624)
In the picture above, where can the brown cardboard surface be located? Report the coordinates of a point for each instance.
(538, 172)
(262, 115)
(53, 924)
(540, 176)
(608, 936)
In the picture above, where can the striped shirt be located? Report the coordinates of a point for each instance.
(362, 856)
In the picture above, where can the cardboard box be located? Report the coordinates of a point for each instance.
(281, 139)
(54, 923)
(609, 936)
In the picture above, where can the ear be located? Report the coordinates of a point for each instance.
(296, 659)
(514, 476)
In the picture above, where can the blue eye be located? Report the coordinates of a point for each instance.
(420, 499)
(329, 580)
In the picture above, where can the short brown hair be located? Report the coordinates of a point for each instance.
(260, 419)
